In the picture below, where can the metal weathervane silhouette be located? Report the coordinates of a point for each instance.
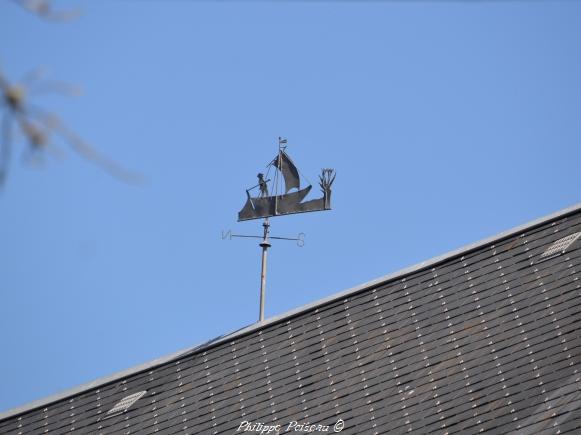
(283, 197)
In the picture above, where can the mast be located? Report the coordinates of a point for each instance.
(266, 227)
(281, 141)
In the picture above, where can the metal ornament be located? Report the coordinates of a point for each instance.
(264, 205)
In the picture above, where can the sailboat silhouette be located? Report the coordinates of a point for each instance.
(263, 206)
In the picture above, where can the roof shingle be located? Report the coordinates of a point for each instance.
(485, 339)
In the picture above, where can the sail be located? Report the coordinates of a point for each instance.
(288, 169)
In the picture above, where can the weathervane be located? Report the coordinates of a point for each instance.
(279, 201)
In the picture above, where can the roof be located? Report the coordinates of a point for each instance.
(482, 338)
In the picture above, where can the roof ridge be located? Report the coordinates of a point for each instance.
(289, 314)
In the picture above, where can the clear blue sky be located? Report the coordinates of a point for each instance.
(447, 122)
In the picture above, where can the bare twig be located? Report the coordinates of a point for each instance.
(45, 10)
(37, 126)
(88, 152)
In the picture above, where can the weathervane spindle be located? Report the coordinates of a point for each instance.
(264, 245)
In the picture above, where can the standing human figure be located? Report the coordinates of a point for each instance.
(262, 185)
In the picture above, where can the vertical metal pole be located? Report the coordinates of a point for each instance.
(264, 245)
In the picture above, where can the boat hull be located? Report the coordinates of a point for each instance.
(290, 203)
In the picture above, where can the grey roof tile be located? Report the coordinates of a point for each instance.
(485, 339)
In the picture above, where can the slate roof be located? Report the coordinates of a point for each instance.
(483, 339)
